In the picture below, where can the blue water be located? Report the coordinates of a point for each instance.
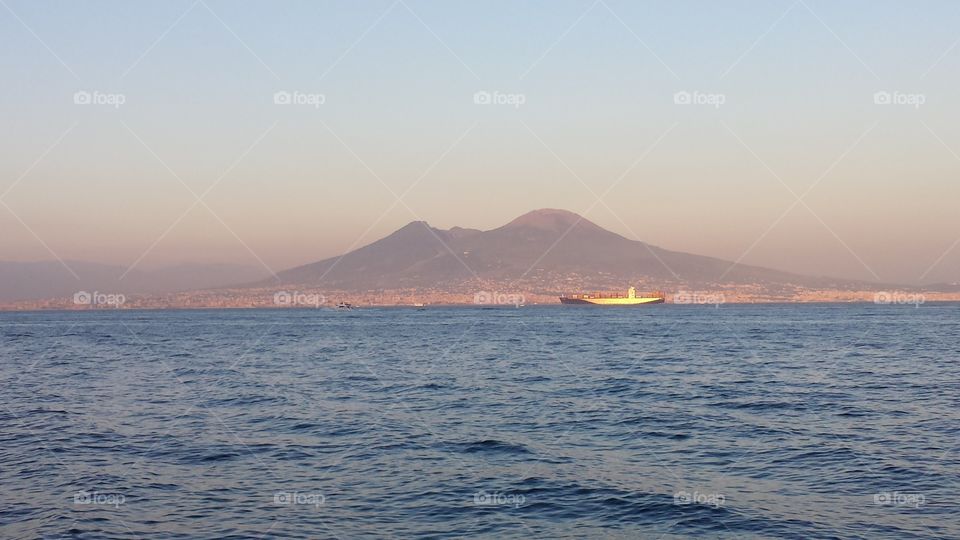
(812, 421)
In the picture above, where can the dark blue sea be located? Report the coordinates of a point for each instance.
(776, 421)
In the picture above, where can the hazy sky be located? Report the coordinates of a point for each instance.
(788, 91)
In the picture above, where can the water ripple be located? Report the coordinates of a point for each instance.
(743, 421)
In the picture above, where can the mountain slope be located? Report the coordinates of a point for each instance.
(414, 255)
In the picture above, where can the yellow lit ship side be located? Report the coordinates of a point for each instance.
(613, 299)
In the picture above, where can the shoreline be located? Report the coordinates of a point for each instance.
(461, 295)
(768, 303)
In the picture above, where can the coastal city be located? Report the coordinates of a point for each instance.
(464, 294)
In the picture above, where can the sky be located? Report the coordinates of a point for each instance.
(145, 134)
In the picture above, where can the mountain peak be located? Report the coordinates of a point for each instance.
(551, 219)
(414, 225)
(414, 229)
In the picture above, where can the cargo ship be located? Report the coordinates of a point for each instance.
(614, 298)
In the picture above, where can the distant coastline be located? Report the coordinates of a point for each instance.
(311, 297)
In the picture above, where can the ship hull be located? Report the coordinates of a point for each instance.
(610, 301)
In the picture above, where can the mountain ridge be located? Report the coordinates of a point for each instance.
(546, 244)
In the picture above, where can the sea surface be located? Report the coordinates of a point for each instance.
(775, 421)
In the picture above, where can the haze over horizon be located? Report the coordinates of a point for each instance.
(798, 169)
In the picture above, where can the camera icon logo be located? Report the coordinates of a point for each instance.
(682, 98)
(82, 98)
(882, 98)
(282, 98)
(482, 98)
(82, 298)
(283, 298)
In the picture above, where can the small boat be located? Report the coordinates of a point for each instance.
(344, 305)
